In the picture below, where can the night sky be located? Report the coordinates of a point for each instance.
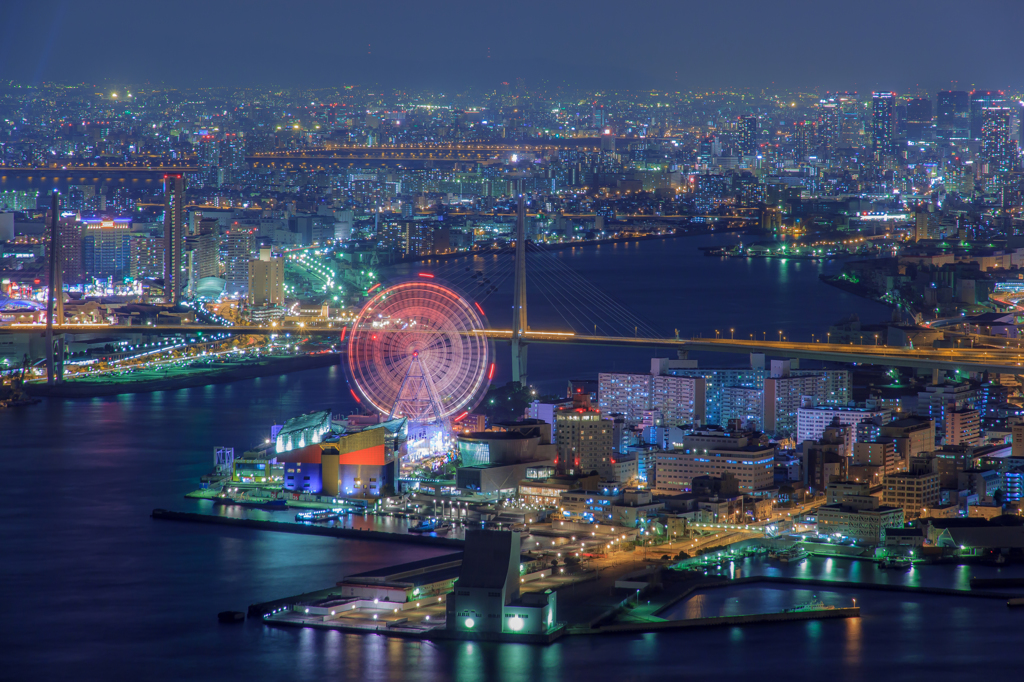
(666, 44)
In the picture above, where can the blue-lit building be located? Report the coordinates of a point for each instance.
(106, 247)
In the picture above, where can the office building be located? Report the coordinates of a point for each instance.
(713, 452)
(202, 255)
(106, 248)
(883, 124)
(919, 119)
(953, 115)
(174, 237)
(915, 490)
(981, 100)
(266, 280)
(583, 438)
(857, 515)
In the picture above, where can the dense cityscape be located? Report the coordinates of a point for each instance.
(520, 379)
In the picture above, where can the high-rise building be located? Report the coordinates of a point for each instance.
(997, 147)
(981, 100)
(266, 280)
(69, 248)
(883, 124)
(829, 128)
(201, 250)
(174, 236)
(106, 248)
(953, 115)
(208, 160)
(241, 242)
(919, 119)
(747, 135)
(147, 256)
(584, 439)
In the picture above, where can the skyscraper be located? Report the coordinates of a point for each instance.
(174, 236)
(953, 113)
(919, 118)
(69, 249)
(829, 128)
(883, 123)
(981, 100)
(747, 135)
(241, 243)
(997, 147)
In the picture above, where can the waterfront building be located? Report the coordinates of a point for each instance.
(858, 515)
(712, 451)
(543, 487)
(583, 438)
(201, 251)
(590, 506)
(266, 280)
(813, 420)
(307, 429)
(486, 597)
(496, 461)
(914, 490)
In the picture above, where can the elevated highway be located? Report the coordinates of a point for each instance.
(1005, 360)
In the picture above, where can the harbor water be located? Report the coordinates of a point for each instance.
(93, 589)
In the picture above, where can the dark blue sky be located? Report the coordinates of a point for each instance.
(671, 44)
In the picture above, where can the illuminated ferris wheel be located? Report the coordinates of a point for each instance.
(410, 353)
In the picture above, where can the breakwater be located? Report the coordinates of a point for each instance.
(302, 529)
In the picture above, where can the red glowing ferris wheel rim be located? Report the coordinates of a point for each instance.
(428, 322)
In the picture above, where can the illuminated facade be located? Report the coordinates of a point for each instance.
(883, 124)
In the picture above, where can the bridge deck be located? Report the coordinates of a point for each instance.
(1007, 360)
